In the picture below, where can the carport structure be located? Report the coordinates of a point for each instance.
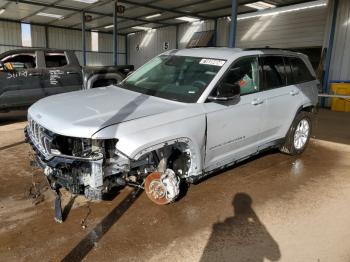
(298, 207)
(127, 18)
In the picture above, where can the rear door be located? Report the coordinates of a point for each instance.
(282, 98)
(304, 80)
(60, 76)
(21, 80)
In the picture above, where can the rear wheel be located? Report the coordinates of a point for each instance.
(298, 135)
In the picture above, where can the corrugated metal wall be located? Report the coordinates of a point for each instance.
(38, 36)
(340, 65)
(304, 28)
(10, 36)
(143, 46)
(186, 31)
(10, 33)
(71, 39)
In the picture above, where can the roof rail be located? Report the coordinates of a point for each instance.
(264, 48)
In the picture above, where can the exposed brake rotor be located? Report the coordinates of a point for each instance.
(162, 188)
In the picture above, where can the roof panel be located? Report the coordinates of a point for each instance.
(108, 8)
(218, 13)
(174, 4)
(214, 4)
(75, 4)
(42, 1)
(100, 22)
(210, 8)
(18, 11)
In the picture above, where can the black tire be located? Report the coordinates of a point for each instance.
(288, 146)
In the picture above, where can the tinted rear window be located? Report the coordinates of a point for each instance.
(55, 60)
(274, 72)
(300, 71)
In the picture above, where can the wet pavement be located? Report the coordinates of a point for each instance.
(273, 207)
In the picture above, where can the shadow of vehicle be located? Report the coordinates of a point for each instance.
(68, 207)
(242, 237)
(13, 117)
(93, 237)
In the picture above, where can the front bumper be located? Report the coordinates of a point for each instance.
(78, 175)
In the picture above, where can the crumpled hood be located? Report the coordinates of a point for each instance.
(83, 113)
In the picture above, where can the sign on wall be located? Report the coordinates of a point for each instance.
(165, 45)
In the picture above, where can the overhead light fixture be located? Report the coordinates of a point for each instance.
(187, 19)
(260, 5)
(131, 34)
(50, 15)
(2, 11)
(142, 28)
(285, 9)
(109, 26)
(86, 1)
(153, 16)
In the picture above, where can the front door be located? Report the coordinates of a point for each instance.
(233, 129)
(21, 81)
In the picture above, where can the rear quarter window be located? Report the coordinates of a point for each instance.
(300, 71)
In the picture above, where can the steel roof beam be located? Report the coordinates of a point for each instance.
(174, 10)
(85, 9)
(40, 10)
(52, 26)
(158, 21)
(77, 10)
(163, 19)
(95, 5)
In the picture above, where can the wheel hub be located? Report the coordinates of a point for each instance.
(301, 134)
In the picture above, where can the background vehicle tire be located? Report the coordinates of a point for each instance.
(298, 135)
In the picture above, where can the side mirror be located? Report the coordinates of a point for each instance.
(226, 92)
(129, 73)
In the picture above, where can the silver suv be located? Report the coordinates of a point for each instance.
(180, 117)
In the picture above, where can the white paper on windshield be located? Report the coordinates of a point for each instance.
(214, 62)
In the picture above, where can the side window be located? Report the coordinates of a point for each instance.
(245, 73)
(274, 72)
(289, 72)
(55, 60)
(20, 61)
(300, 71)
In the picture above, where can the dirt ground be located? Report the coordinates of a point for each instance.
(271, 208)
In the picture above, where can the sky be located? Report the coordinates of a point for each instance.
(26, 35)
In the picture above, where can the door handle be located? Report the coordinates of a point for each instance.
(35, 74)
(257, 101)
(294, 92)
(72, 73)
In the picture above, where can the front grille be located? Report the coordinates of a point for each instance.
(40, 138)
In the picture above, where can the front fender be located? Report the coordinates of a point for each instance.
(136, 138)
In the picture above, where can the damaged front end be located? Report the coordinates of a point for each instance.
(82, 166)
(92, 167)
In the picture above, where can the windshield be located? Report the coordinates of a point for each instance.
(179, 78)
